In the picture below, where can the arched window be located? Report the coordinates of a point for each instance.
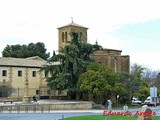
(62, 36)
(66, 36)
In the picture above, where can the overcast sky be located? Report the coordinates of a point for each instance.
(132, 26)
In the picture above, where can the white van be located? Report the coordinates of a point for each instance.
(135, 101)
(150, 102)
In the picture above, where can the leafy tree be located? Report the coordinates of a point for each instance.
(150, 76)
(24, 51)
(137, 71)
(135, 77)
(123, 77)
(121, 91)
(56, 78)
(74, 59)
(122, 85)
(157, 81)
(6, 91)
(12, 51)
(143, 90)
(98, 80)
(138, 87)
(93, 83)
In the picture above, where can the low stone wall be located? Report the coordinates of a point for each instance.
(37, 107)
(72, 106)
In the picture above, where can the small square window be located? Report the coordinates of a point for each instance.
(19, 73)
(4, 72)
(34, 74)
(37, 92)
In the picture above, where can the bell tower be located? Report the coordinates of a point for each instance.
(64, 34)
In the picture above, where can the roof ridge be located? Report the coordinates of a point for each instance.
(73, 24)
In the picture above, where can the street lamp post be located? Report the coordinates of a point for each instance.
(117, 99)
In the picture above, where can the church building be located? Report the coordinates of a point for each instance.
(109, 57)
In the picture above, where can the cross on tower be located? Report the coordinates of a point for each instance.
(72, 19)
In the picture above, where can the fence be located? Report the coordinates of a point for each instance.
(42, 91)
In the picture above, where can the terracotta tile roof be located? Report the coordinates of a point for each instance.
(23, 62)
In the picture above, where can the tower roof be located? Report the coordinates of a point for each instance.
(73, 24)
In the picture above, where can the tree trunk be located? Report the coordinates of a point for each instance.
(90, 97)
(77, 95)
(69, 95)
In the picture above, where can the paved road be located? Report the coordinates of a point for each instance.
(54, 115)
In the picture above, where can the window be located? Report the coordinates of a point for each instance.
(19, 73)
(4, 72)
(46, 74)
(37, 92)
(66, 36)
(34, 74)
(62, 36)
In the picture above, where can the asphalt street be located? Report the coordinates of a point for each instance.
(55, 115)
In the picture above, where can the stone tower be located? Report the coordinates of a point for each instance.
(64, 34)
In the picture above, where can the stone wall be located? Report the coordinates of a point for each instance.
(23, 85)
(113, 59)
(35, 107)
(64, 39)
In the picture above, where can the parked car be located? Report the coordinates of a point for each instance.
(150, 102)
(135, 101)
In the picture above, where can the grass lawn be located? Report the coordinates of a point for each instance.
(100, 117)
